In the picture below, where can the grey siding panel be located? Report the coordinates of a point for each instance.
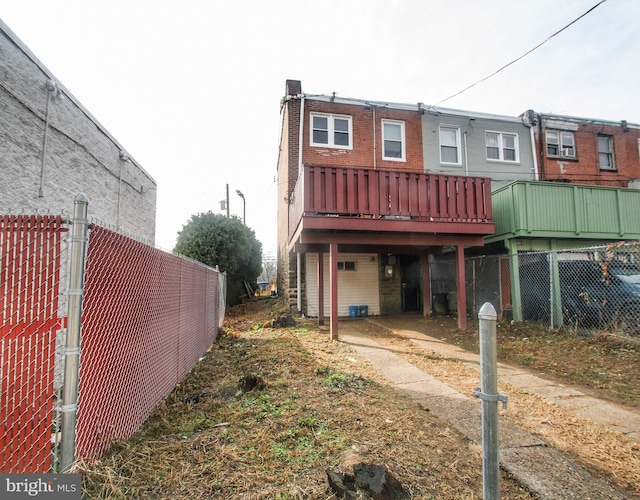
(475, 162)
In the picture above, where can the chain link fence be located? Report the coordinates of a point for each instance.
(148, 317)
(587, 288)
(30, 272)
(583, 288)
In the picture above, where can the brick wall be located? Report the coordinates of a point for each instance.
(287, 171)
(363, 137)
(80, 156)
(585, 168)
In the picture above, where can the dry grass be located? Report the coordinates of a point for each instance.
(609, 455)
(320, 405)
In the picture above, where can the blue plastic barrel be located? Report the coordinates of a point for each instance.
(353, 311)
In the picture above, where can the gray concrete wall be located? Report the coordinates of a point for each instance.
(81, 156)
(473, 158)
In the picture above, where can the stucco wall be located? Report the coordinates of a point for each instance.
(80, 155)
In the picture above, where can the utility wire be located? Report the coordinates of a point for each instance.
(523, 55)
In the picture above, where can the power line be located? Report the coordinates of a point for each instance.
(523, 55)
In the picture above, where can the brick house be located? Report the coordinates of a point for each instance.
(586, 151)
(359, 213)
(52, 148)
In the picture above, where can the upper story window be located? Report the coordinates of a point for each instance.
(333, 131)
(502, 146)
(560, 143)
(393, 140)
(450, 145)
(605, 152)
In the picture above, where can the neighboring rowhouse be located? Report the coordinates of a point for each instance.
(586, 150)
(588, 169)
(359, 212)
(51, 149)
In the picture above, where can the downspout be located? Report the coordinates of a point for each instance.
(299, 255)
(301, 138)
(373, 107)
(533, 154)
(466, 158)
(51, 87)
(542, 142)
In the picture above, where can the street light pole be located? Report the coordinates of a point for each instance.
(244, 207)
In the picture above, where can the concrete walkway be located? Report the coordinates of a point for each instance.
(543, 470)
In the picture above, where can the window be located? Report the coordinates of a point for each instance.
(450, 145)
(333, 131)
(348, 265)
(605, 152)
(502, 146)
(393, 139)
(560, 143)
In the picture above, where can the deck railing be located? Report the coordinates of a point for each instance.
(373, 193)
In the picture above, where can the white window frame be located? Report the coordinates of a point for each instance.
(458, 145)
(610, 157)
(331, 118)
(562, 148)
(501, 146)
(403, 149)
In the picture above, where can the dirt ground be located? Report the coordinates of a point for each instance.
(270, 408)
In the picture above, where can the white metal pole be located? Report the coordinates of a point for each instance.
(72, 349)
(488, 393)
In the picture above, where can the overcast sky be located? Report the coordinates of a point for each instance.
(191, 88)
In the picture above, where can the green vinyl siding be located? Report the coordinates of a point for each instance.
(553, 210)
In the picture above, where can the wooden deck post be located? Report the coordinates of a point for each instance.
(461, 288)
(426, 285)
(333, 279)
(320, 288)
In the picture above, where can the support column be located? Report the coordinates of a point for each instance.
(299, 282)
(426, 285)
(461, 288)
(320, 288)
(514, 268)
(333, 299)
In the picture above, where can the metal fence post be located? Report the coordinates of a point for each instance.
(488, 393)
(72, 349)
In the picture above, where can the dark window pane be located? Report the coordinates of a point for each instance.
(320, 122)
(510, 154)
(341, 139)
(320, 137)
(449, 154)
(392, 149)
(605, 160)
(341, 125)
(493, 153)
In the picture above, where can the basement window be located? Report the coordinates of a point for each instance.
(346, 265)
